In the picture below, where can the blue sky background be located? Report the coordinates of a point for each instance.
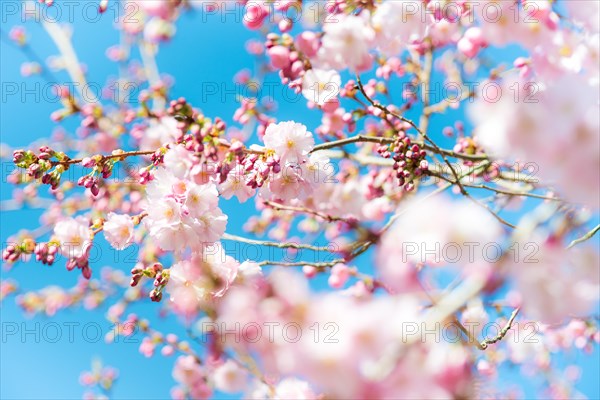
(204, 50)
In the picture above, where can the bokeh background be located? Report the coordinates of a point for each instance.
(207, 50)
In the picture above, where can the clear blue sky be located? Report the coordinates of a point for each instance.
(204, 52)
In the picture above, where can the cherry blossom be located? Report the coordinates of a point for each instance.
(558, 282)
(320, 86)
(230, 377)
(73, 236)
(158, 133)
(195, 282)
(393, 35)
(347, 42)
(182, 212)
(118, 230)
(440, 235)
(292, 388)
(289, 140)
(235, 185)
(412, 213)
(189, 373)
(530, 135)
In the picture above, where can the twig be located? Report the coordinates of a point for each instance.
(381, 140)
(151, 70)
(426, 79)
(282, 245)
(435, 192)
(585, 237)
(466, 332)
(282, 207)
(421, 132)
(319, 265)
(503, 332)
(33, 56)
(384, 108)
(72, 65)
(485, 206)
(106, 157)
(513, 193)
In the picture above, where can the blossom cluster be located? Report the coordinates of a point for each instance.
(387, 175)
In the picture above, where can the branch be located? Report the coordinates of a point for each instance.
(282, 207)
(33, 56)
(435, 192)
(381, 140)
(585, 237)
(107, 157)
(503, 332)
(514, 193)
(383, 108)
(282, 245)
(465, 331)
(319, 265)
(426, 79)
(485, 206)
(151, 70)
(63, 42)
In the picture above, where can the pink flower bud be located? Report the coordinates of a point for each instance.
(475, 36)
(95, 189)
(467, 47)
(340, 273)
(88, 162)
(86, 271)
(285, 25)
(167, 350)
(255, 15)
(147, 347)
(308, 43)
(102, 6)
(71, 264)
(280, 56)
(309, 271)
(331, 105)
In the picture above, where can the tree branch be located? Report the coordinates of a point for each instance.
(585, 237)
(503, 332)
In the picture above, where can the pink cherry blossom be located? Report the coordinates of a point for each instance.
(290, 141)
(557, 282)
(398, 252)
(118, 230)
(229, 377)
(308, 43)
(235, 185)
(196, 282)
(347, 43)
(191, 375)
(521, 129)
(181, 212)
(434, 232)
(393, 34)
(73, 235)
(292, 388)
(320, 86)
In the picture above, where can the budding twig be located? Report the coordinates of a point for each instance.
(107, 157)
(503, 332)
